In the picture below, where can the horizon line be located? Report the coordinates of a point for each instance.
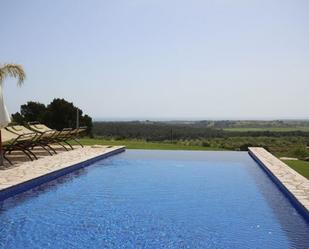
(119, 119)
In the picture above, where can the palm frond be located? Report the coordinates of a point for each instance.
(12, 70)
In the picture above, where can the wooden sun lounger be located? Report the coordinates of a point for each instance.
(13, 142)
(42, 140)
(63, 136)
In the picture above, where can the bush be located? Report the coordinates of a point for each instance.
(301, 152)
(244, 147)
(205, 144)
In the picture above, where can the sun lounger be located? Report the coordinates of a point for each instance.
(40, 139)
(63, 136)
(13, 142)
(20, 138)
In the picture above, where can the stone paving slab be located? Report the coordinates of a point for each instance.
(33, 169)
(296, 184)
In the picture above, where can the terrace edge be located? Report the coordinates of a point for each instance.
(27, 185)
(293, 185)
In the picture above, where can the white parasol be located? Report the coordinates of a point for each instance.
(15, 71)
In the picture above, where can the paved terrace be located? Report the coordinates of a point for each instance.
(24, 171)
(294, 183)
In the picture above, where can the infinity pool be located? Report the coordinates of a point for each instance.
(156, 199)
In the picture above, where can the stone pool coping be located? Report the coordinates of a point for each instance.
(34, 173)
(294, 185)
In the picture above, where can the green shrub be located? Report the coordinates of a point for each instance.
(244, 147)
(205, 144)
(301, 152)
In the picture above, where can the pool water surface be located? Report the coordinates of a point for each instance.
(156, 199)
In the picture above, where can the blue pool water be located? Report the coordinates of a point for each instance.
(156, 199)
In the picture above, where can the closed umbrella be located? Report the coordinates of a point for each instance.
(15, 71)
(4, 120)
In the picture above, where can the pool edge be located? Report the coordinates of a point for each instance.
(270, 164)
(27, 185)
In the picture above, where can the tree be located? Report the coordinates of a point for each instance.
(13, 70)
(86, 121)
(61, 114)
(17, 118)
(33, 111)
(58, 114)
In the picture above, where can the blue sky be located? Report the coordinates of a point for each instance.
(220, 59)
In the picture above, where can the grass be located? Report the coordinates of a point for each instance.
(140, 144)
(278, 129)
(300, 166)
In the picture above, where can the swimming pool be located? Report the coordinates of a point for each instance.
(156, 199)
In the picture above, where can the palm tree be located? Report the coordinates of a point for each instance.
(15, 71)
(12, 70)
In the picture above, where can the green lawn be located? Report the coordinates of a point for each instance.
(279, 129)
(300, 166)
(139, 144)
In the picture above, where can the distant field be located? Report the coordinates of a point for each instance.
(139, 144)
(300, 166)
(279, 129)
